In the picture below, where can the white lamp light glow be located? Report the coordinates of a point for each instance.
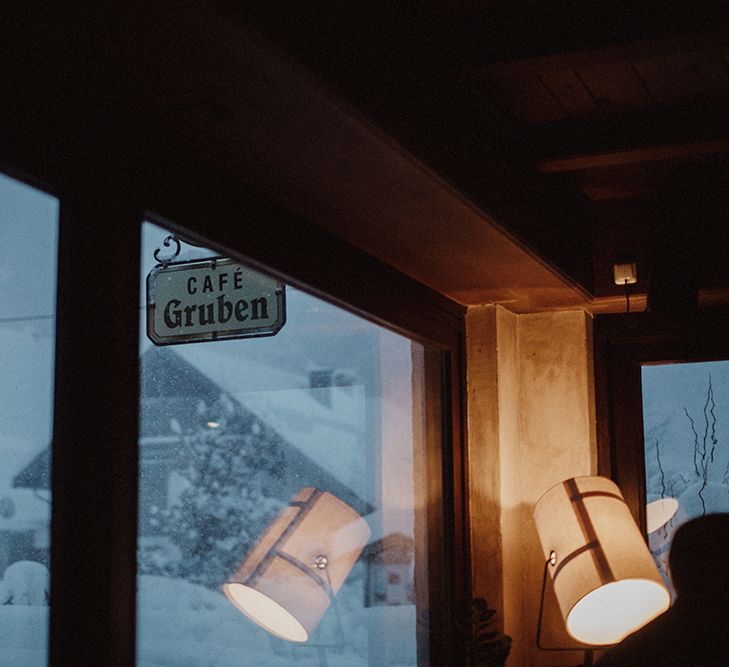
(288, 579)
(604, 577)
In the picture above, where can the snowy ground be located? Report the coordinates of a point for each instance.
(23, 636)
(184, 625)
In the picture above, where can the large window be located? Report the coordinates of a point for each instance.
(28, 250)
(662, 397)
(282, 499)
(686, 428)
(196, 479)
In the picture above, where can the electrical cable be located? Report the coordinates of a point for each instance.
(26, 318)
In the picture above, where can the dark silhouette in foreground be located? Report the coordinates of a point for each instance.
(694, 632)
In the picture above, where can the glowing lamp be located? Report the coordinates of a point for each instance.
(604, 577)
(288, 579)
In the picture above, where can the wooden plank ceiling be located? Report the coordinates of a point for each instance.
(504, 151)
(640, 130)
(590, 134)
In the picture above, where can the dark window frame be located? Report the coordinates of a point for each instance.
(95, 461)
(622, 344)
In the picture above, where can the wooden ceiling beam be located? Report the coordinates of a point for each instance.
(618, 52)
(676, 132)
(632, 156)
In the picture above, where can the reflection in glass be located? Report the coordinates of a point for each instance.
(297, 567)
(230, 432)
(686, 435)
(28, 249)
(658, 512)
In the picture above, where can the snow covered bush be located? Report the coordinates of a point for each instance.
(25, 583)
(229, 464)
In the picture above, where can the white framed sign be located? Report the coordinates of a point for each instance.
(212, 299)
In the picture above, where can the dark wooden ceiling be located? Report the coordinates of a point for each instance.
(542, 141)
(593, 132)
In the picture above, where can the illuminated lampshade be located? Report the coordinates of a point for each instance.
(604, 577)
(659, 512)
(288, 579)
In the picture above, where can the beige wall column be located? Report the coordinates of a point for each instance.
(531, 425)
(484, 432)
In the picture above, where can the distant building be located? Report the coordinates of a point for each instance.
(390, 571)
(172, 391)
(25, 510)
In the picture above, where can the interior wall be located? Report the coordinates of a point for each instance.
(531, 425)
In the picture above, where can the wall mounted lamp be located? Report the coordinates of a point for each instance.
(288, 579)
(604, 577)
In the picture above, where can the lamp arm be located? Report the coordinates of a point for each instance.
(321, 563)
(588, 651)
(547, 563)
(335, 604)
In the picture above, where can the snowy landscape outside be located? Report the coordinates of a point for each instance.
(28, 251)
(230, 431)
(686, 429)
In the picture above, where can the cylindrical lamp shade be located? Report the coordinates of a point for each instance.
(658, 512)
(287, 580)
(605, 580)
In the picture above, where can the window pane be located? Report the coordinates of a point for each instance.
(28, 250)
(686, 427)
(281, 478)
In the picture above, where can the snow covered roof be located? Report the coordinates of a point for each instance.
(332, 436)
(322, 434)
(37, 474)
(326, 441)
(28, 511)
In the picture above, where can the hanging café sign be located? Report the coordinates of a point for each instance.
(213, 299)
